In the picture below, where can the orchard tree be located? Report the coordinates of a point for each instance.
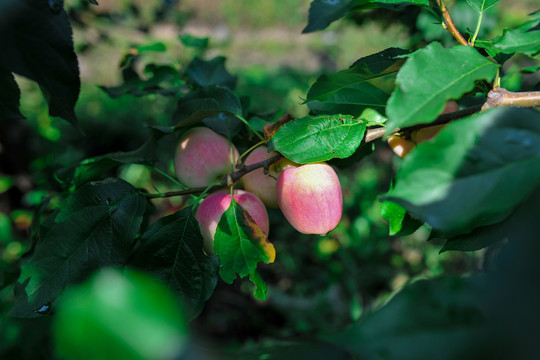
(103, 267)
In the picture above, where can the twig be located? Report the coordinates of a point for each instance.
(502, 97)
(228, 180)
(376, 133)
(450, 26)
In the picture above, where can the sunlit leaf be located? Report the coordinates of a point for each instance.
(428, 80)
(482, 5)
(320, 138)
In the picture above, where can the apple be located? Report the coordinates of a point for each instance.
(310, 197)
(203, 157)
(212, 208)
(400, 145)
(257, 182)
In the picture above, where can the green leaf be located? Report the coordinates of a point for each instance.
(193, 41)
(130, 316)
(351, 100)
(323, 12)
(320, 138)
(517, 41)
(172, 251)
(482, 5)
(240, 244)
(403, 2)
(260, 286)
(400, 223)
(97, 168)
(9, 97)
(96, 227)
(431, 77)
(37, 43)
(160, 79)
(370, 67)
(205, 102)
(211, 72)
(420, 320)
(456, 186)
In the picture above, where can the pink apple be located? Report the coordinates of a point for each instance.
(212, 208)
(203, 157)
(310, 197)
(257, 182)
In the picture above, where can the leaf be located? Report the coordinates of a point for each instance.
(320, 138)
(400, 223)
(403, 2)
(161, 79)
(260, 286)
(482, 5)
(205, 102)
(240, 244)
(96, 227)
(37, 43)
(130, 316)
(367, 68)
(428, 80)
(456, 186)
(193, 41)
(96, 168)
(9, 97)
(420, 320)
(211, 72)
(172, 251)
(516, 41)
(351, 100)
(323, 12)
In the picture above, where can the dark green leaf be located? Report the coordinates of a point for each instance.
(225, 124)
(428, 80)
(418, 321)
(96, 227)
(205, 102)
(96, 168)
(351, 100)
(161, 79)
(37, 43)
(240, 244)
(172, 251)
(370, 67)
(320, 138)
(130, 316)
(456, 186)
(9, 97)
(193, 41)
(517, 41)
(211, 72)
(323, 12)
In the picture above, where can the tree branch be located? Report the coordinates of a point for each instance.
(450, 26)
(502, 97)
(227, 181)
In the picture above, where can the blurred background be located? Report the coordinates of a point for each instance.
(317, 284)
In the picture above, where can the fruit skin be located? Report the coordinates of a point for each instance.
(310, 197)
(212, 208)
(202, 157)
(257, 182)
(400, 146)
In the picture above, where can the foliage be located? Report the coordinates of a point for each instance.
(112, 253)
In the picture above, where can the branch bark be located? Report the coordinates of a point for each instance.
(502, 97)
(450, 26)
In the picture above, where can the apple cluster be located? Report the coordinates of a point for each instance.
(309, 195)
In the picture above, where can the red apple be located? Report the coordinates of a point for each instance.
(212, 208)
(203, 157)
(310, 197)
(257, 182)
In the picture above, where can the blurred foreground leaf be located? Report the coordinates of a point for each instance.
(117, 316)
